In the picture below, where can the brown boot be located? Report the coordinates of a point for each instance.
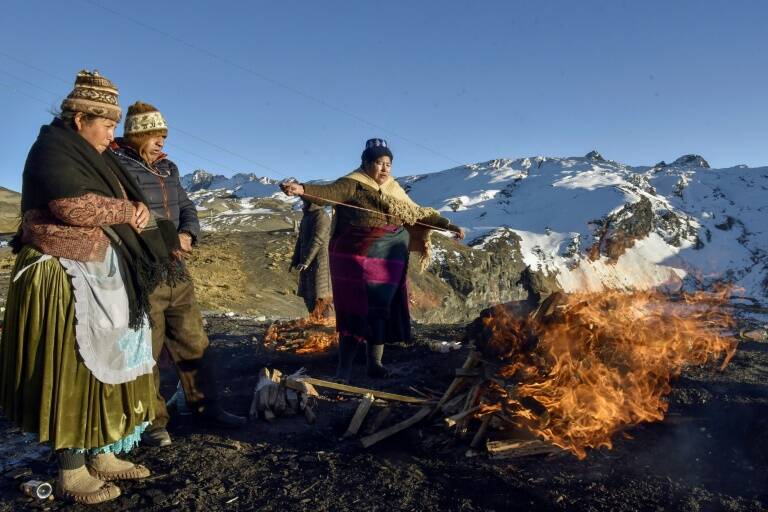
(81, 487)
(107, 467)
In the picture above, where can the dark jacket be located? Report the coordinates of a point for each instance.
(351, 192)
(161, 185)
(312, 250)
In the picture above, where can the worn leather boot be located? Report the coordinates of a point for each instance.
(215, 416)
(374, 354)
(156, 437)
(347, 351)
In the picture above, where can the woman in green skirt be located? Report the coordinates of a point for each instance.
(75, 354)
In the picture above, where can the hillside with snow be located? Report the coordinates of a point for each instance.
(585, 222)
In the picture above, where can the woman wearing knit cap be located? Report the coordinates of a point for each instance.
(369, 254)
(75, 355)
(177, 325)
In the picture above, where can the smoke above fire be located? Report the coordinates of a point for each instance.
(584, 367)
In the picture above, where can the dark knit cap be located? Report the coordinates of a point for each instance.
(374, 149)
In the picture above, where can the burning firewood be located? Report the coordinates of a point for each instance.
(314, 334)
(577, 369)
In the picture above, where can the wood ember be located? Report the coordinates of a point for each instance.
(314, 334)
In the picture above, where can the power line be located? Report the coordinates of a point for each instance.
(30, 66)
(23, 93)
(222, 148)
(270, 80)
(184, 150)
(174, 128)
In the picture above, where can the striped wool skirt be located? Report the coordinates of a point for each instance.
(368, 275)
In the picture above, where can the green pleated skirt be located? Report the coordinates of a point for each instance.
(45, 387)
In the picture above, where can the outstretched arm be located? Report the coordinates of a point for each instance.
(339, 191)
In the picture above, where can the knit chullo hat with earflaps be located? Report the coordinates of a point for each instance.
(142, 122)
(93, 94)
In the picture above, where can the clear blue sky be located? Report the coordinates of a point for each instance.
(296, 86)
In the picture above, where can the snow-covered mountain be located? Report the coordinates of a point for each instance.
(590, 223)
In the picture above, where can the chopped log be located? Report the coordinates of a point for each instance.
(472, 398)
(264, 377)
(512, 449)
(481, 432)
(379, 420)
(309, 414)
(293, 382)
(360, 414)
(372, 439)
(277, 392)
(262, 387)
(472, 359)
(292, 400)
(453, 420)
(455, 404)
(468, 372)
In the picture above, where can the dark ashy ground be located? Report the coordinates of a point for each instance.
(710, 454)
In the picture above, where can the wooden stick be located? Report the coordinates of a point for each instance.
(453, 420)
(472, 397)
(378, 421)
(360, 414)
(293, 382)
(420, 393)
(472, 359)
(481, 432)
(512, 449)
(394, 429)
(453, 404)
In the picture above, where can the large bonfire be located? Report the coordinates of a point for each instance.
(583, 367)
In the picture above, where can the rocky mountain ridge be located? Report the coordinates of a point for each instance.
(576, 223)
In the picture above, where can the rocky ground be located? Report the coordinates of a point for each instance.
(710, 454)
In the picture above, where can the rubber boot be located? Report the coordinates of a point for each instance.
(374, 354)
(347, 351)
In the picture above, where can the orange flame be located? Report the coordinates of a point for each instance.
(311, 335)
(601, 362)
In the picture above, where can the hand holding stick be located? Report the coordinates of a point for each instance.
(292, 188)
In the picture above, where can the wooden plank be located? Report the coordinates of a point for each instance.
(454, 404)
(472, 359)
(360, 414)
(293, 382)
(379, 420)
(472, 399)
(511, 449)
(394, 429)
(456, 418)
(481, 432)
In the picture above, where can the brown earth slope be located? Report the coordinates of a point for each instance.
(10, 202)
